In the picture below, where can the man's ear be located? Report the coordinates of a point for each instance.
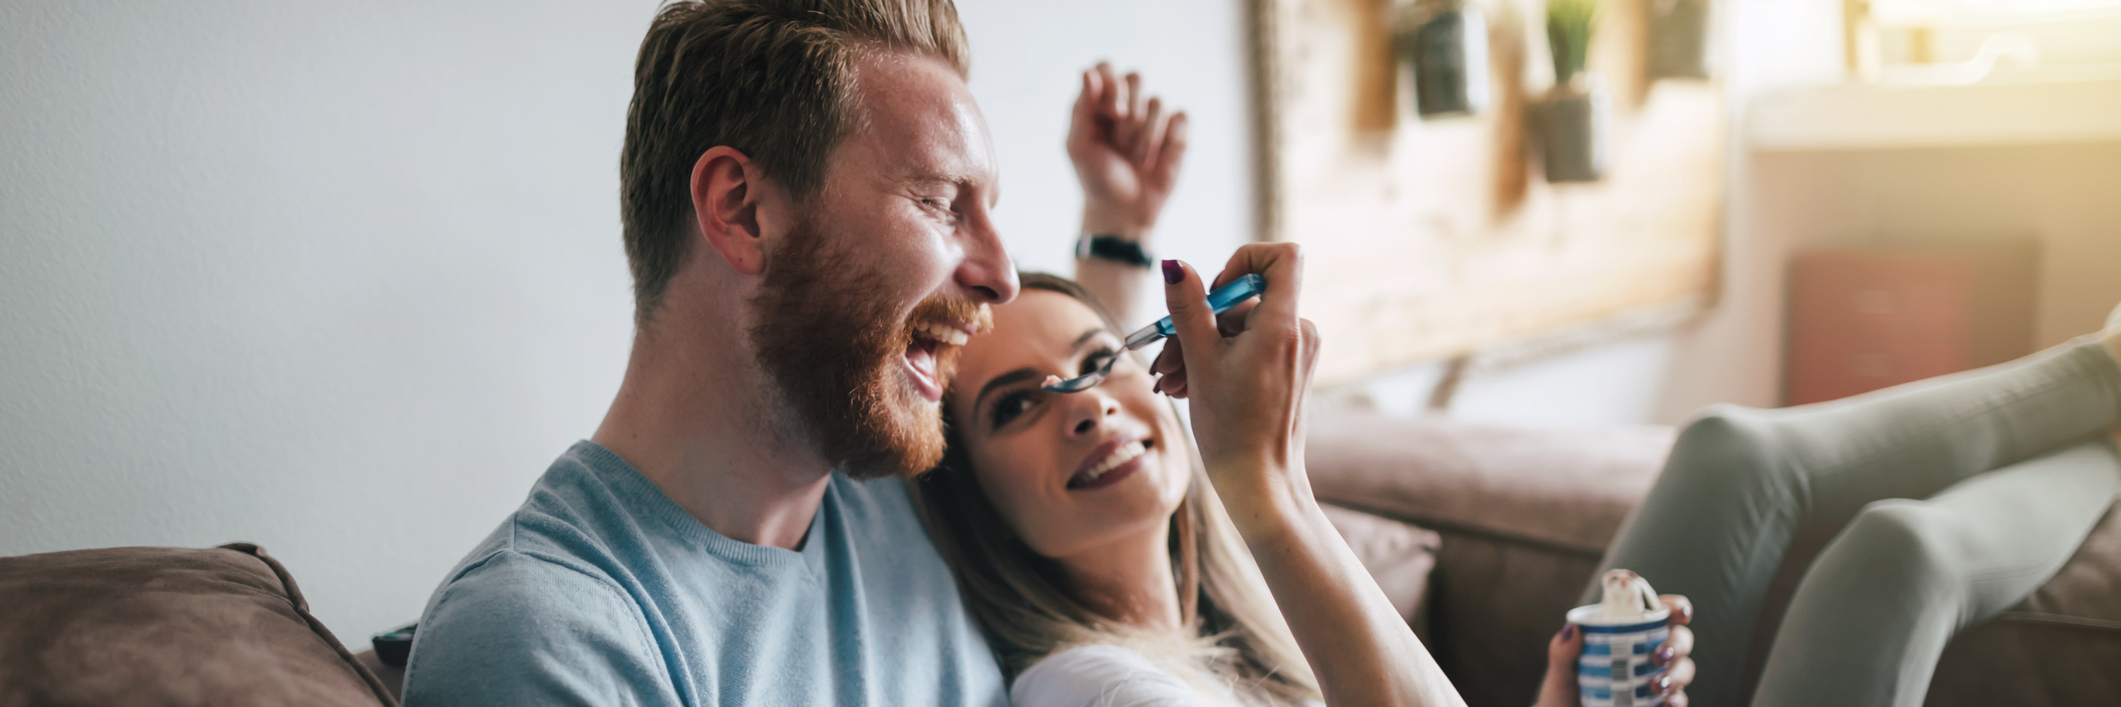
(726, 190)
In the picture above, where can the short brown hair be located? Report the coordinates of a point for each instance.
(773, 79)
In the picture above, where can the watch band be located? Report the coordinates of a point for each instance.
(1114, 249)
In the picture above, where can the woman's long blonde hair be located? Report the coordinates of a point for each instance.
(1237, 637)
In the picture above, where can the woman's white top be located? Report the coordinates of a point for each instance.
(1104, 676)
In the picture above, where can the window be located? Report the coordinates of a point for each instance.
(1964, 41)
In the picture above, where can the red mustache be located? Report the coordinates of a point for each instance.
(952, 310)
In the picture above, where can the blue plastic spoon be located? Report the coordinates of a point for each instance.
(1221, 300)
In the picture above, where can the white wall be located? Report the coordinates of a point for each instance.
(337, 278)
(1192, 53)
(342, 278)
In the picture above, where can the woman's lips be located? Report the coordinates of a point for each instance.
(1117, 474)
(1109, 463)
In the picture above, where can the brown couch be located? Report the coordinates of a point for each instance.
(152, 626)
(1482, 536)
(1524, 515)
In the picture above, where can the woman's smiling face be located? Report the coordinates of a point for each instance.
(1068, 472)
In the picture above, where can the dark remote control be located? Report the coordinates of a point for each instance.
(392, 647)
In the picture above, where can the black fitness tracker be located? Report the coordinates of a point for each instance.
(1113, 248)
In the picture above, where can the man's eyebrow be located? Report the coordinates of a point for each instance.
(1026, 373)
(928, 175)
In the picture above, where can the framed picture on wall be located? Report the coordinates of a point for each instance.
(1449, 216)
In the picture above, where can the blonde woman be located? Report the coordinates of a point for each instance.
(1108, 561)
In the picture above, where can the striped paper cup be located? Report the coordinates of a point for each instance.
(1615, 668)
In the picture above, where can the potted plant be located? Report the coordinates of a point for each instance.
(1444, 44)
(1679, 32)
(1572, 117)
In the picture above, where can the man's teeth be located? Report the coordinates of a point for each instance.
(944, 333)
(1126, 453)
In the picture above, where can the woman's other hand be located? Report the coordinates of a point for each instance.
(1559, 689)
(1247, 378)
(1126, 152)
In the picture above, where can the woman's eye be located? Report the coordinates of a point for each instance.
(1095, 360)
(1010, 407)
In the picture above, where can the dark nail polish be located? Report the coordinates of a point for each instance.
(1664, 684)
(1663, 655)
(1568, 633)
(1173, 272)
(1159, 387)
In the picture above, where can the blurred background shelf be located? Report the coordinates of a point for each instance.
(2042, 107)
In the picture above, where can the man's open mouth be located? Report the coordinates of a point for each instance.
(922, 351)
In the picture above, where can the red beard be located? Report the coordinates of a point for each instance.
(833, 346)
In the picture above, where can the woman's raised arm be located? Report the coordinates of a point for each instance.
(1127, 152)
(1247, 378)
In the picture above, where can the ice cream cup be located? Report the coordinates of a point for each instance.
(1615, 669)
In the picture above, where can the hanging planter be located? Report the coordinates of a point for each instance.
(1572, 117)
(1445, 44)
(1572, 121)
(1679, 31)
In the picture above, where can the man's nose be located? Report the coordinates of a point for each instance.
(987, 272)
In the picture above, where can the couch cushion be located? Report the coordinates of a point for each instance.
(1398, 555)
(167, 626)
(2060, 647)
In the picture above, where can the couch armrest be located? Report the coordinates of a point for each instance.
(1566, 489)
(155, 626)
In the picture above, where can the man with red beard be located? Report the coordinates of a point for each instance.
(806, 188)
